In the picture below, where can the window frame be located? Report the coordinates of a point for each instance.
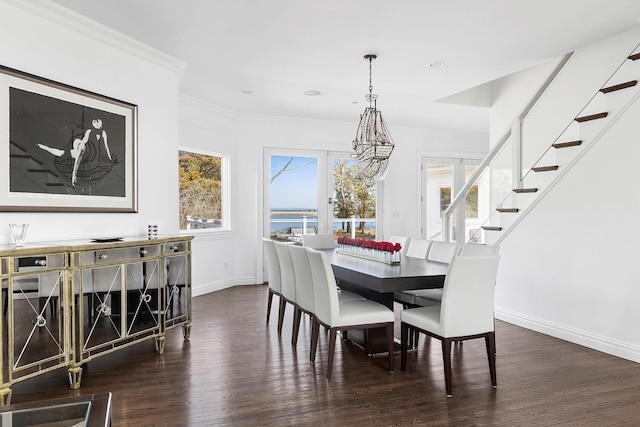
(224, 189)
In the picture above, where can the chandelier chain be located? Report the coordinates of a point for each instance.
(370, 84)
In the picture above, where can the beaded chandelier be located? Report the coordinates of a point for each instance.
(373, 144)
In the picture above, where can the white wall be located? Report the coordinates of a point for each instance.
(402, 186)
(569, 267)
(51, 42)
(241, 246)
(47, 42)
(585, 73)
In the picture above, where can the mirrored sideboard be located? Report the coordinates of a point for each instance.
(66, 303)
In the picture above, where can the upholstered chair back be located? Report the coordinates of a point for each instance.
(467, 306)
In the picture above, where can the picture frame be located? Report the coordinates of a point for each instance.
(65, 149)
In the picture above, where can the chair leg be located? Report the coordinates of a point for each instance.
(446, 357)
(490, 341)
(332, 347)
(391, 342)
(404, 342)
(269, 301)
(297, 314)
(315, 333)
(283, 305)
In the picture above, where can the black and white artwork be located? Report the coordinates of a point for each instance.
(66, 149)
(59, 147)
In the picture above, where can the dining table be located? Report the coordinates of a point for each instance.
(378, 281)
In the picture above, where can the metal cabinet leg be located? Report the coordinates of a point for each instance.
(186, 331)
(75, 376)
(160, 344)
(5, 396)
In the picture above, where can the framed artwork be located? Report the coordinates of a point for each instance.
(65, 149)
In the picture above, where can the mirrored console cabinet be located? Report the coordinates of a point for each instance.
(66, 303)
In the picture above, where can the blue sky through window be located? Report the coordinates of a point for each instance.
(296, 187)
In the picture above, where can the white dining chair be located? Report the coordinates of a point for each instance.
(418, 248)
(361, 314)
(325, 241)
(304, 288)
(466, 312)
(427, 297)
(443, 252)
(477, 249)
(404, 242)
(287, 280)
(273, 272)
(318, 241)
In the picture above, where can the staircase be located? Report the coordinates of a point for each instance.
(615, 96)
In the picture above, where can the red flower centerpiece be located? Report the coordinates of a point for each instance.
(386, 252)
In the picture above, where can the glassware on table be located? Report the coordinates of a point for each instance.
(18, 233)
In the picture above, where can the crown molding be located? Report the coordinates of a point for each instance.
(201, 104)
(53, 12)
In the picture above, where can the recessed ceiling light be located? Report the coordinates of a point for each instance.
(247, 91)
(436, 64)
(313, 93)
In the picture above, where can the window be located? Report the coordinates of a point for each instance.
(203, 195)
(353, 196)
(471, 208)
(311, 191)
(441, 179)
(445, 198)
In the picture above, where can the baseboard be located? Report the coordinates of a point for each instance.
(206, 288)
(607, 345)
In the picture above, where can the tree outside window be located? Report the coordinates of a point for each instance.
(201, 196)
(354, 196)
(471, 207)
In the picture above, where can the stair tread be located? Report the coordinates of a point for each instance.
(591, 117)
(544, 168)
(525, 190)
(567, 144)
(620, 86)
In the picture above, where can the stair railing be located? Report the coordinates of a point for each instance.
(519, 174)
(460, 198)
(540, 162)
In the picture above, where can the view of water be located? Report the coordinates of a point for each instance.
(285, 218)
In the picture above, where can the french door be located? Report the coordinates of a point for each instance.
(441, 180)
(312, 191)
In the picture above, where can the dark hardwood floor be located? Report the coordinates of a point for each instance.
(237, 371)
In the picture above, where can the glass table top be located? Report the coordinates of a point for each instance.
(80, 411)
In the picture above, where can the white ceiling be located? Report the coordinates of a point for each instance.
(278, 49)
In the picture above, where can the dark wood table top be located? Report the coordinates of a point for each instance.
(411, 273)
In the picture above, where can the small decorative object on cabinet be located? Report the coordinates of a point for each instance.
(66, 303)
